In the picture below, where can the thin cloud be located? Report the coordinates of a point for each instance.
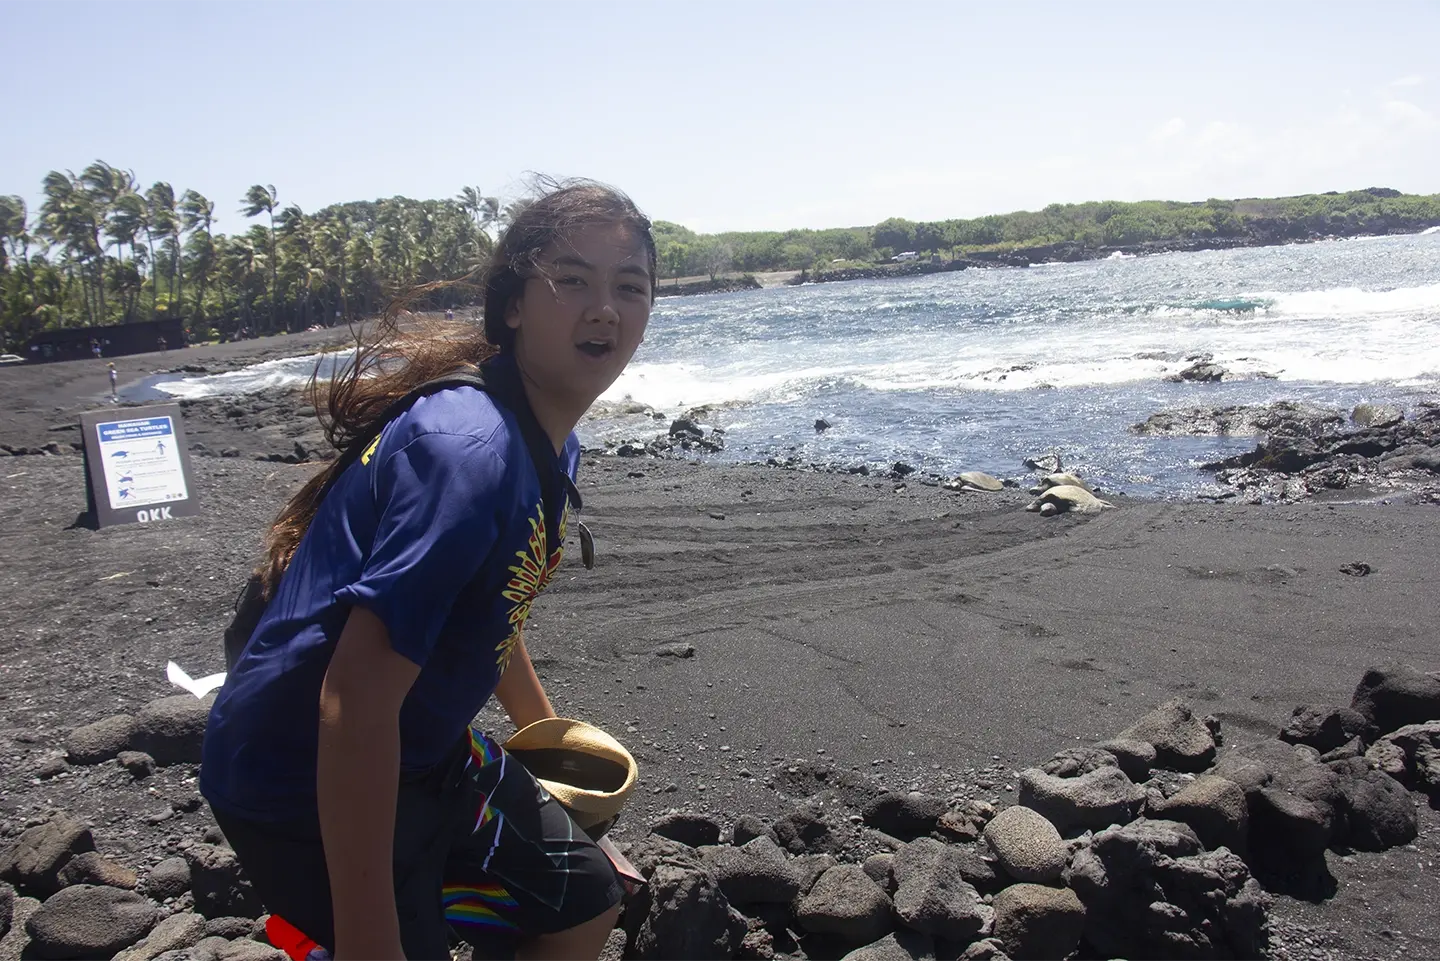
(1414, 80)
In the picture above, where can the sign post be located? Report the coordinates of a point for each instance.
(137, 467)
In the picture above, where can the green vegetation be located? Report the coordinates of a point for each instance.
(100, 250)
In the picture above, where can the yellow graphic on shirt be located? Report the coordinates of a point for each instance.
(370, 451)
(535, 569)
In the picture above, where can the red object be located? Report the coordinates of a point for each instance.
(288, 938)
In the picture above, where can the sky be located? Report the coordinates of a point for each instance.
(730, 115)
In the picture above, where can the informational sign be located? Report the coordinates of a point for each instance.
(137, 468)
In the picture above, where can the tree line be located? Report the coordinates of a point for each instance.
(102, 249)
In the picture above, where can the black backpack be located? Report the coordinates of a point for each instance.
(501, 384)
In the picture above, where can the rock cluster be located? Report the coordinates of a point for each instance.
(1161, 842)
(1381, 450)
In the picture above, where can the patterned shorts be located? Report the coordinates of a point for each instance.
(482, 852)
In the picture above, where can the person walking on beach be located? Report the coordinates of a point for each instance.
(114, 384)
(339, 759)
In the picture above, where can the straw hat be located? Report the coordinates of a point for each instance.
(586, 770)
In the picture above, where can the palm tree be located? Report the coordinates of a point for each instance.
(485, 210)
(129, 218)
(266, 199)
(69, 217)
(198, 215)
(164, 219)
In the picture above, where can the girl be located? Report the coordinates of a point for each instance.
(339, 760)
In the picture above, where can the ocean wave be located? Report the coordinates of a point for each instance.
(1343, 302)
(287, 372)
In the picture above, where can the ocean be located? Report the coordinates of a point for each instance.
(979, 369)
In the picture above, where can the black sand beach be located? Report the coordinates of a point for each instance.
(747, 626)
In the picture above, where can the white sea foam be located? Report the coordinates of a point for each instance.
(288, 372)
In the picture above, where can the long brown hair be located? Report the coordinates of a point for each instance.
(397, 360)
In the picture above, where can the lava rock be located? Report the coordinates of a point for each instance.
(1181, 740)
(86, 921)
(748, 828)
(1202, 372)
(904, 816)
(1376, 415)
(846, 903)
(692, 829)
(138, 763)
(931, 894)
(809, 867)
(748, 878)
(91, 868)
(986, 949)
(1379, 812)
(1135, 758)
(901, 945)
(881, 869)
(1214, 807)
(34, 862)
(1075, 761)
(1034, 921)
(101, 741)
(221, 890)
(1411, 755)
(1149, 891)
(1096, 800)
(174, 933)
(1027, 845)
(7, 908)
(652, 849)
(1390, 698)
(804, 831)
(51, 767)
(168, 879)
(172, 729)
(682, 913)
(1323, 728)
(1292, 799)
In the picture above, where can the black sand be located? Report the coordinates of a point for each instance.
(928, 638)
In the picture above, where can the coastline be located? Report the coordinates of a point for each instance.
(1066, 252)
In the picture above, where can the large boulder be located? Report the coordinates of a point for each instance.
(1097, 799)
(846, 903)
(904, 816)
(932, 895)
(901, 945)
(652, 849)
(1027, 846)
(33, 863)
(1150, 891)
(174, 933)
(1182, 741)
(172, 729)
(1135, 758)
(1323, 728)
(1379, 812)
(168, 879)
(749, 878)
(1411, 755)
(87, 921)
(93, 868)
(1293, 800)
(1034, 921)
(100, 741)
(682, 913)
(1392, 697)
(220, 888)
(1214, 807)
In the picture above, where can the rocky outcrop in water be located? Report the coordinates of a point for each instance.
(1302, 457)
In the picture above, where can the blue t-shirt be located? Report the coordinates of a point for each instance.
(439, 530)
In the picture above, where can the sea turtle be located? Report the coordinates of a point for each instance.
(1058, 480)
(975, 480)
(1067, 497)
